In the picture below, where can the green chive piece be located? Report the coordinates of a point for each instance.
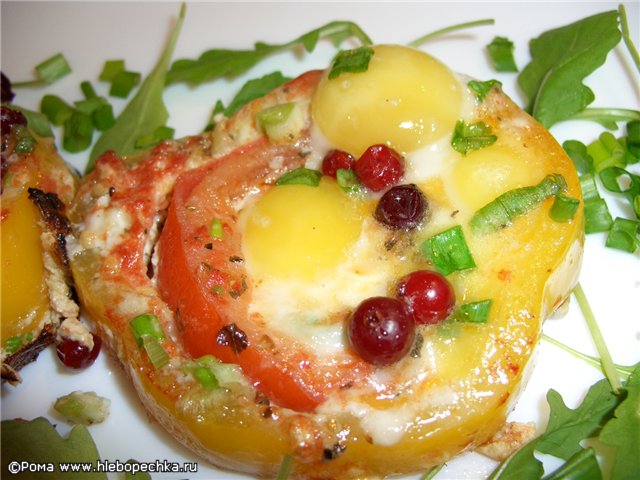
(157, 355)
(78, 132)
(351, 61)
(300, 176)
(274, 115)
(596, 213)
(623, 235)
(633, 138)
(502, 211)
(348, 181)
(85, 408)
(155, 137)
(564, 208)
(206, 377)
(473, 312)
(53, 68)
(146, 324)
(471, 136)
(577, 152)
(285, 468)
(103, 117)
(87, 90)
(501, 52)
(481, 89)
(448, 250)
(55, 109)
(25, 145)
(110, 69)
(15, 343)
(215, 229)
(619, 180)
(123, 83)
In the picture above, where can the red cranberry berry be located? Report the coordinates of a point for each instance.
(10, 117)
(76, 355)
(381, 331)
(427, 295)
(402, 207)
(337, 160)
(379, 167)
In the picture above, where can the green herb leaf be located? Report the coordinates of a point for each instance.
(110, 69)
(219, 63)
(583, 465)
(448, 250)
(144, 113)
(473, 312)
(624, 235)
(300, 176)
(577, 151)
(37, 122)
(501, 52)
(623, 431)
(38, 442)
(123, 83)
(348, 181)
(351, 61)
(561, 59)
(471, 136)
(502, 211)
(481, 89)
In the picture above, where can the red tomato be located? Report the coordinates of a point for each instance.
(203, 279)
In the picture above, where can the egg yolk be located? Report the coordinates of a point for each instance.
(24, 294)
(482, 175)
(405, 99)
(300, 231)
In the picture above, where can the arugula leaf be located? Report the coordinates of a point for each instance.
(354, 61)
(471, 136)
(218, 63)
(146, 111)
(481, 89)
(37, 441)
(623, 431)
(561, 59)
(583, 465)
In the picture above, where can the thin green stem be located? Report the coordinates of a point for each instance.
(432, 472)
(453, 28)
(607, 114)
(627, 37)
(285, 468)
(623, 370)
(608, 366)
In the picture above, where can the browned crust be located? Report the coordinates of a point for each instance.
(27, 354)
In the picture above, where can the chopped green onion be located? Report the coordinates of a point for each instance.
(87, 90)
(633, 137)
(89, 105)
(619, 180)
(25, 145)
(597, 216)
(606, 152)
(55, 109)
(471, 136)
(448, 250)
(78, 132)
(159, 134)
(202, 370)
(351, 61)
(577, 151)
(623, 235)
(15, 343)
(285, 468)
(53, 68)
(146, 324)
(348, 181)
(501, 52)
(110, 69)
(481, 89)
(473, 312)
(502, 211)
(215, 229)
(123, 83)
(103, 118)
(274, 115)
(300, 176)
(85, 408)
(157, 355)
(564, 208)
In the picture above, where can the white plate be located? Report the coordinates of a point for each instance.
(90, 33)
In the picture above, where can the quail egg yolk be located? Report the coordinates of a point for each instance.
(300, 231)
(405, 99)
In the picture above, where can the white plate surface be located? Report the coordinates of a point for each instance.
(89, 33)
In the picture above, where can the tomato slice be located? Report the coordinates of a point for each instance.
(203, 279)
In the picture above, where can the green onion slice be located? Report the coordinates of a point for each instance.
(471, 136)
(481, 89)
(448, 250)
(123, 83)
(215, 229)
(624, 235)
(56, 110)
(501, 52)
(146, 324)
(78, 132)
(577, 152)
(53, 68)
(564, 208)
(300, 176)
(351, 61)
(348, 181)
(15, 343)
(502, 211)
(110, 69)
(159, 134)
(157, 355)
(275, 115)
(473, 312)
